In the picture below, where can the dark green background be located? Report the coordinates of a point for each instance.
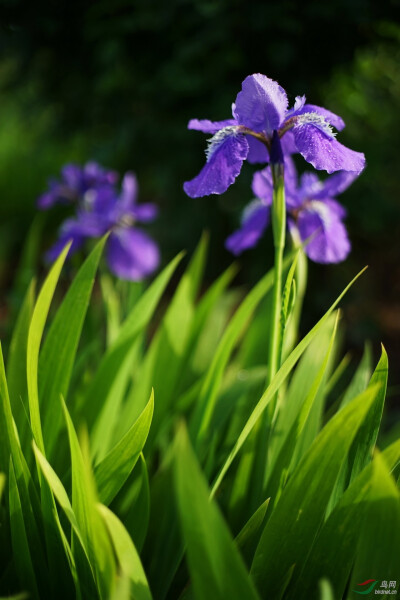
(117, 81)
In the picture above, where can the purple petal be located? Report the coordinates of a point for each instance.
(288, 144)
(293, 199)
(70, 231)
(262, 104)
(325, 152)
(91, 225)
(335, 208)
(336, 184)
(329, 242)
(207, 126)
(310, 186)
(132, 254)
(227, 151)
(145, 213)
(255, 221)
(47, 200)
(73, 176)
(94, 175)
(262, 185)
(299, 102)
(258, 152)
(129, 190)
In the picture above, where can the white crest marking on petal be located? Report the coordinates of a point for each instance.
(218, 139)
(322, 210)
(317, 120)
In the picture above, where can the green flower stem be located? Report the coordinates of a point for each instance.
(279, 235)
(263, 428)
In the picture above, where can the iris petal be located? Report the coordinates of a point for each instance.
(255, 221)
(132, 254)
(262, 104)
(258, 152)
(325, 152)
(207, 126)
(329, 241)
(224, 162)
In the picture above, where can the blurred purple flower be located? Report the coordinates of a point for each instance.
(314, 215)
(260, 109)
(131, 253)
(75, 182)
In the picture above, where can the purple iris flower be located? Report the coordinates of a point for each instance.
(75, 182)
(260, 109)
(131, 253)
(314, 215)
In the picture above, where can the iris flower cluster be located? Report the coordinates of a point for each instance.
(314, 215)
(264, 130)
(101, 207)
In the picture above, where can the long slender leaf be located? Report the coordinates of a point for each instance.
(59, 349)
(378, 549)
(291, 437)
(16, 364)
(127, 555)
(302, 505)
(215, 566)
(84, 501)
(22, 555)
(341, 530)
(112, 472)
(34, 339)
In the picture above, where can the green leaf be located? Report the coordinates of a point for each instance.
(21, 552)
(367, 435)
(16, 364)
(84, 502)
(34, 339)
(27, 498)
(163, 551)
(275, 385)
(289, 438)
(59, 349)
(127, 555)
(2, 483)
(112, 472)
(311, 367)
(361, 377)
(58, 490)
(302, 505)
(288, 301)
(378, 548)
(113, 307)
(110, 414)
(249, 536)
(80, 566)
(340, 530)
(362, 447)
(326, 590)
(216, 568)
(134, 504)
